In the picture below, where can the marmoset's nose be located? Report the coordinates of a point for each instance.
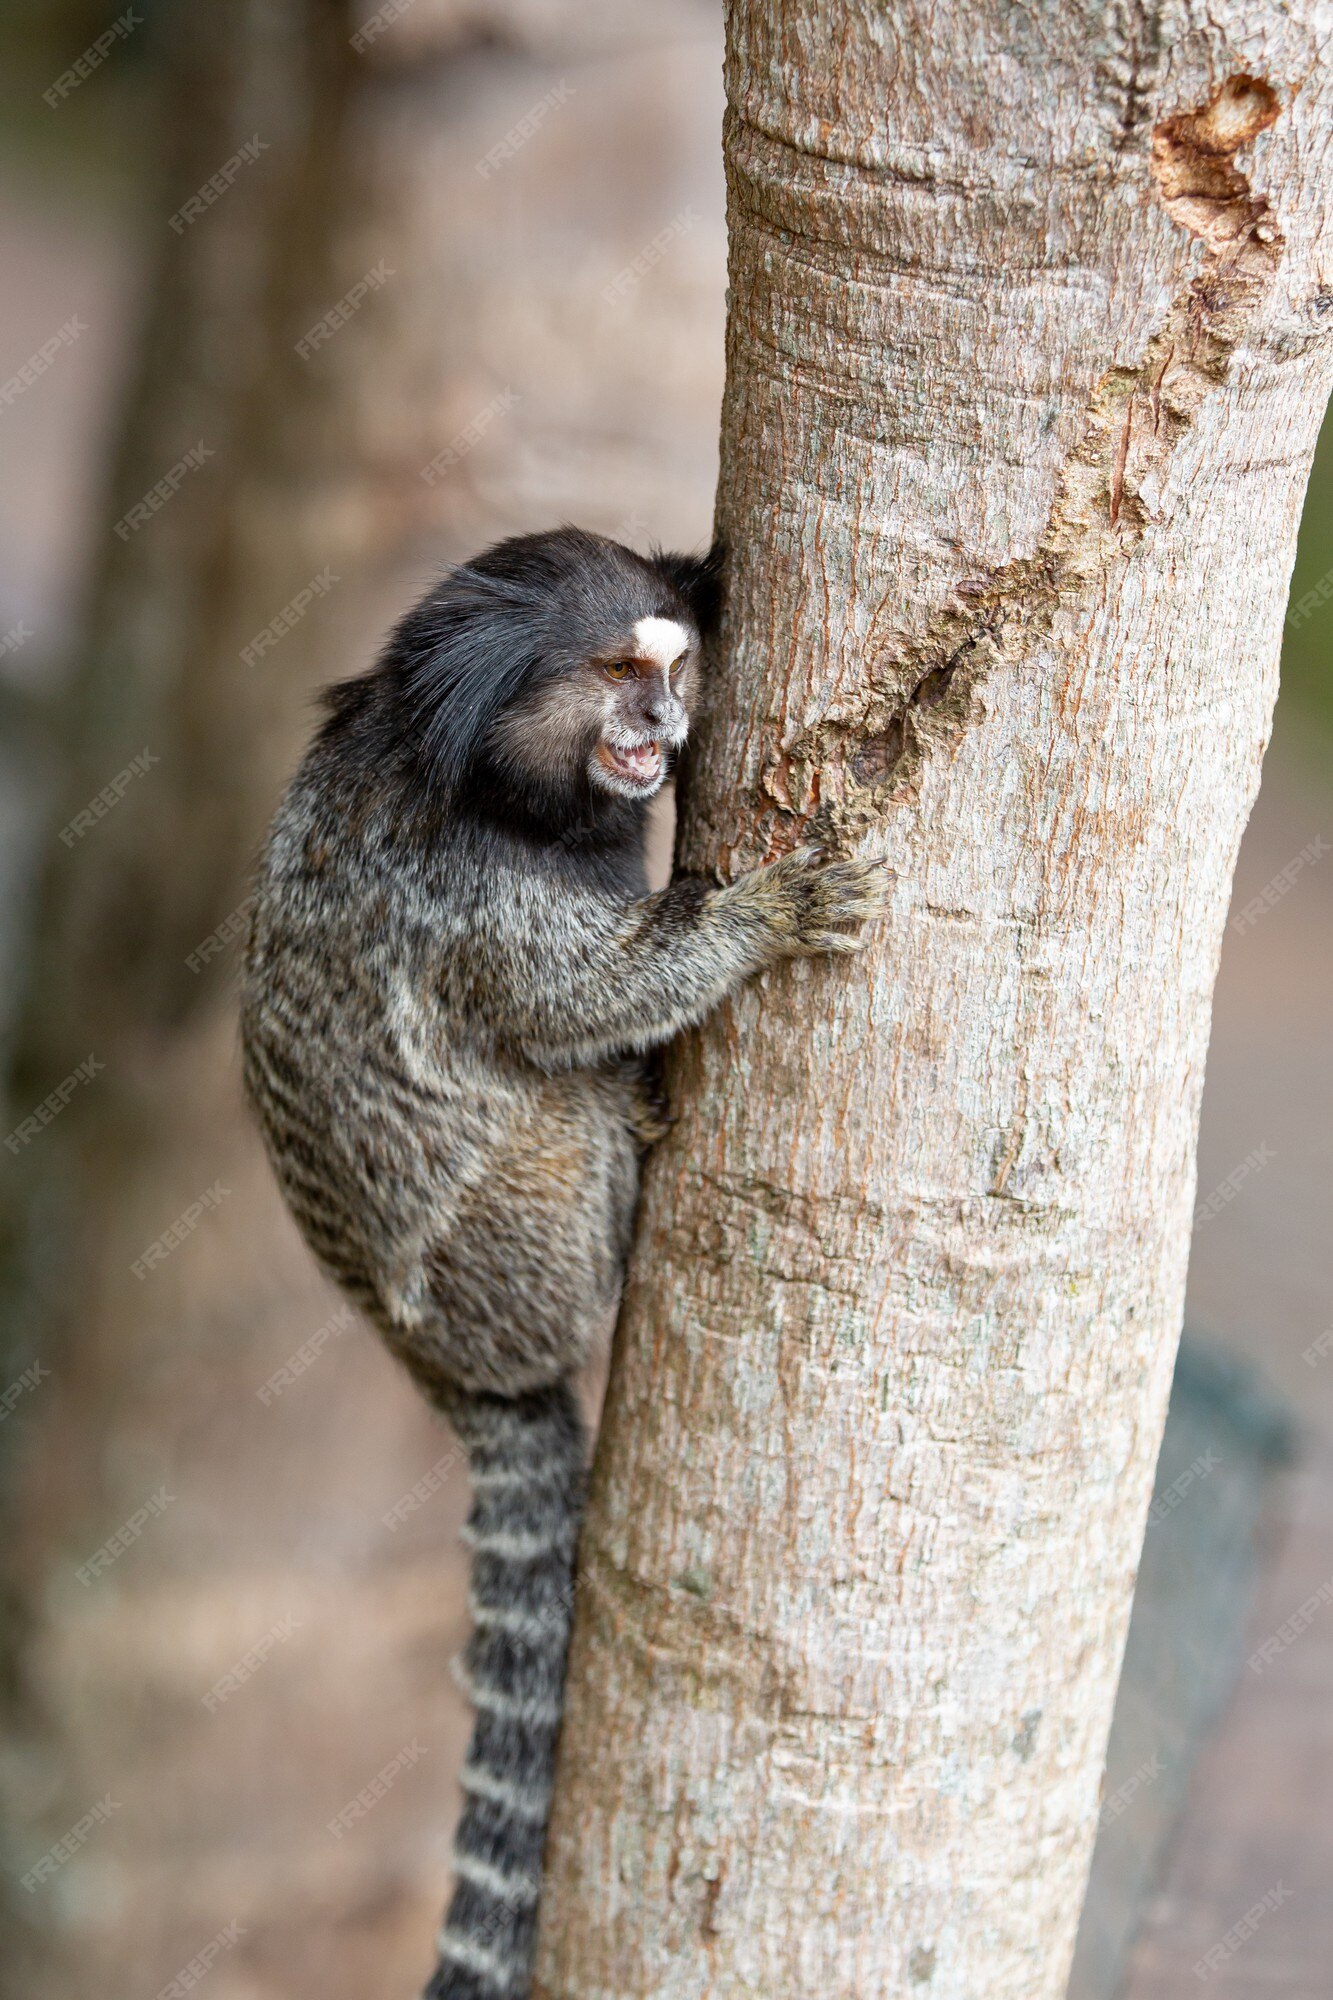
(662, 708)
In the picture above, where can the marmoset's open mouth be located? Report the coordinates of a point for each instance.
(640, 766)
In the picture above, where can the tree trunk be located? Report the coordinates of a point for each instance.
(1026, 361)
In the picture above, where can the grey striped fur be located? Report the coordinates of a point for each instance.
(526, 1459)
(454, 968)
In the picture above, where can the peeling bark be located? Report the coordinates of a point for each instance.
(1026, 362)
(1136, 417)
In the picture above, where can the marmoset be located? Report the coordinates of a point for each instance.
(454, 977)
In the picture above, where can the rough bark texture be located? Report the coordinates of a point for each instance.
(1027, 357)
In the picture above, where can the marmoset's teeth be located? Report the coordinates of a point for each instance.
(641, 763)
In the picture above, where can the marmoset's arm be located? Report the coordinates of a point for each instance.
(571, 978)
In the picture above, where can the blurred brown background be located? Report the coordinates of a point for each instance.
(528, 193)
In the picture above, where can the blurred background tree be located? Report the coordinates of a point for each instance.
(484, 379)
(552, 326)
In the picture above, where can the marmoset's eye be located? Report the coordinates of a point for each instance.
(676, 665)
(618, 670)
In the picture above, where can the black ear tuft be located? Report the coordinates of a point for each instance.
(457, 659)
(698, 579)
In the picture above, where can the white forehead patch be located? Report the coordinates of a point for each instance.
(662, 640)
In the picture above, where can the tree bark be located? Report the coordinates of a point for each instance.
(1027, 357)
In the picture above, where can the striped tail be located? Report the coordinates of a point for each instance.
(527, 1467)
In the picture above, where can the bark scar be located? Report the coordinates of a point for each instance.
(833, 779)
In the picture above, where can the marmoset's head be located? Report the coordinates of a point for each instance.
(556, 665)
